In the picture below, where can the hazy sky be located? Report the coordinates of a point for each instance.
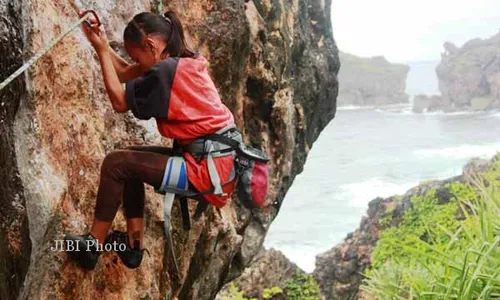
(409, 30)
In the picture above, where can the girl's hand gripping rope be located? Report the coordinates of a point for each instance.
(95, 33)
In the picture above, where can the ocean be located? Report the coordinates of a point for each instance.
(366, 153)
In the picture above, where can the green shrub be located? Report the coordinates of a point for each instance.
(302, 287)
(433, 254)
(271, 292)
(425, 221)
(236, 294)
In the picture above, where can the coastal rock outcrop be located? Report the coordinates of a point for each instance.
(371, 81)
(269, 269)
(275, 65)
(469, 76)
(424, 103)
(339, 271)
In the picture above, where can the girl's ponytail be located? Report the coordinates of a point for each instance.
(176, 42)
(168, 26)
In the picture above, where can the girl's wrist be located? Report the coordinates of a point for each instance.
(102, 50)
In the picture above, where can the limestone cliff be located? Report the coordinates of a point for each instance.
(371, 81)
(469, 77)
(275, 64)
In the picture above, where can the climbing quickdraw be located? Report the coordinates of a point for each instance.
(49, 46)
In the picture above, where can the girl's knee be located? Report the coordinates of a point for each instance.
(113, 161)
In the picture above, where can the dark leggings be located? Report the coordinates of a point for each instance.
(123, 174)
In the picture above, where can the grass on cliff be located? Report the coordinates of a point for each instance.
(301, 286)
(442, 251)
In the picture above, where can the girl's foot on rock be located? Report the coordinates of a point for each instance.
(131, 257)
(83, 249)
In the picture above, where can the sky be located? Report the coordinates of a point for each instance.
(411, 30)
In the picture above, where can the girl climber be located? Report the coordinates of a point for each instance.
(167, 82)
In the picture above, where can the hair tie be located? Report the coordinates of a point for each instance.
(168, 19)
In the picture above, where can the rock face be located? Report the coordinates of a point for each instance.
(371, 81)
(338, 271)
(469, 77)
(424, 103)
(275, 65)
(15, 246)
(270, 268)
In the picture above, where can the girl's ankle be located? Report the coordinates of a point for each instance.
(135, 240)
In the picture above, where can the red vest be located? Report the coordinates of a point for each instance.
(181, 95)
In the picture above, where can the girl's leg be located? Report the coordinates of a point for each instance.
(133, 204)
(118, 168)
(134, 197)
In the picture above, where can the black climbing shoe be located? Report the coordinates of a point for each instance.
(83, 249)
(131, 257)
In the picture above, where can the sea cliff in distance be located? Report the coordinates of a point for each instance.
(469, 78)
(371, 81)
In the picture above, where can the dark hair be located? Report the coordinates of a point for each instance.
(168, 26)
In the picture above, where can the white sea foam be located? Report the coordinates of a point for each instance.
(408, 110)
(460, 152)
(397, 109)
(353, 107)
(456, 113)
(359, 194)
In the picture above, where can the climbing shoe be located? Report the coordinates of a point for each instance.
(83, 249)
(131, 257)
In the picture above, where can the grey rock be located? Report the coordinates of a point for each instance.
(270, 268)
(469, 76)
(371, 81)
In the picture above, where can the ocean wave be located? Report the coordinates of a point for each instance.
(409, 111)
(359, 194)
(455, 113)
(396, 111)
(353, 107)
(460, 152)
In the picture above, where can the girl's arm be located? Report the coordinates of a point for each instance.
(99, 41)
(124, 70)
(115, 90)
(118, 62)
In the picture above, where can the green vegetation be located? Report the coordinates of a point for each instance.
(302, 287)
(236, 294)
(442, 251)
(270, 293)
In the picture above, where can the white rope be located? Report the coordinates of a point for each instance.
(41, 53)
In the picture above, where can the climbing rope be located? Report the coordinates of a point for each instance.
(47, 48)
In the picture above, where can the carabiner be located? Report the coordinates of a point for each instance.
(91, 11)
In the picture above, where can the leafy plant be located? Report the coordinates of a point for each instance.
(271, 292)
(448, 251)
(302, 287)
(236, 294)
